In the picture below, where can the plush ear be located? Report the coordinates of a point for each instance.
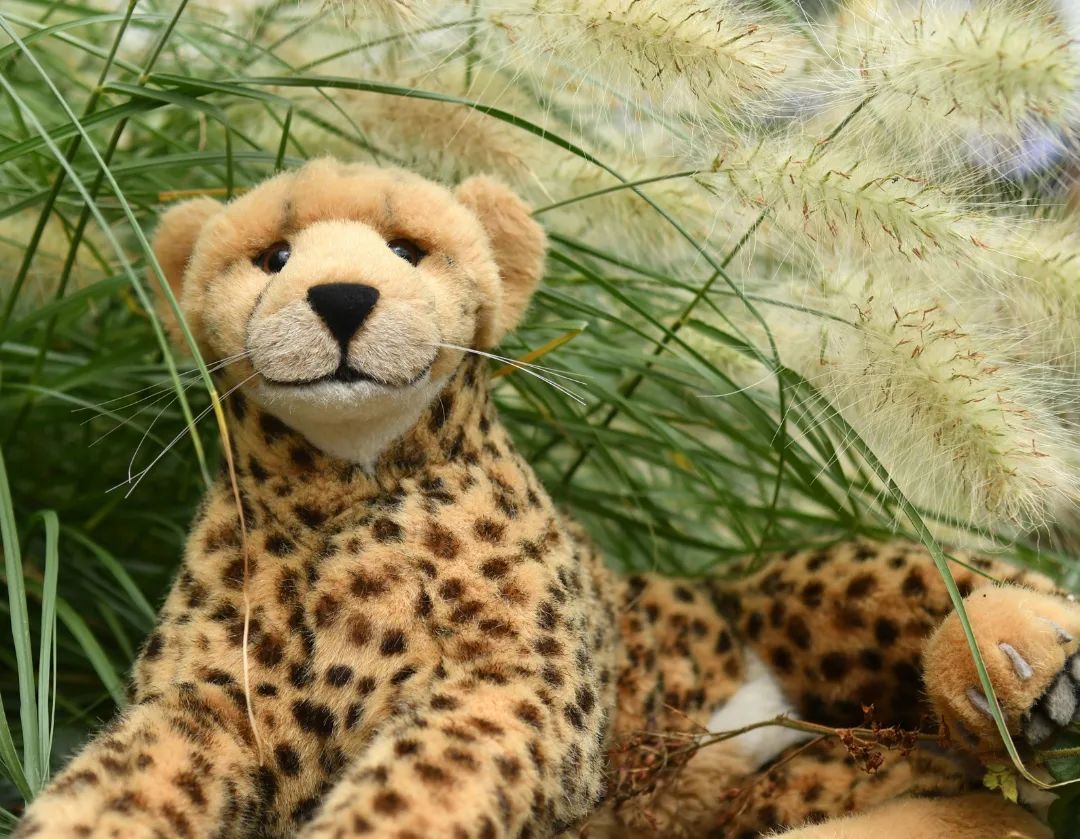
(518, 243)
(174, 243)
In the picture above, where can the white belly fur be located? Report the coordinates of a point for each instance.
(759, 698)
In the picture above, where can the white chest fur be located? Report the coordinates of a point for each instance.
(760, 698)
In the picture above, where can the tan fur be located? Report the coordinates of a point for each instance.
(518, 243)
(1024, 619)
(975, 816)
(433, 649)
(174, 242)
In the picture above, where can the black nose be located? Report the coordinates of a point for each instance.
(343, 307)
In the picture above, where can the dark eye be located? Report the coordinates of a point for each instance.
(273, 259)
(407, 250)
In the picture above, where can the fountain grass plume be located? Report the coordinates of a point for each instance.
(684, 58)
(961, 427)
(950, 85)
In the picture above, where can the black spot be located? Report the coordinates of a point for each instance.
(529, 713)
(870, 659)
(861, 586)
(913, 585)
(393, 643)
(366, 585)
(886, 632)
(451, 589)
(257, 471)
(279, 545)
(546, 615)
(288, 760)
(365, 685)
(272, 428)
(798, 632)
(440, 412)
(314, 718)
(289, 589)
(301, 458)
(493, 569)
(386, 530)
(300, 675)
(812, 594)
(781, 659)
(154, 647)
(388, 803)
(309, 516)
(352, 716)
(834, 666)
(224, 613)
(267, 785)
(548, 646)
(269, 652)
(304, 811)
(239, 405)
(339, 675)
(488, 531)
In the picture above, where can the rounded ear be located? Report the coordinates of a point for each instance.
(173, 244)
(518, 243)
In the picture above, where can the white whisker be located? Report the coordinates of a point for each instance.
(525, 368)
(169, 391)
(136, 479)
(189, 374)
(550, 370)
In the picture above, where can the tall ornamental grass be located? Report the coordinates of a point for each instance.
(814, 274)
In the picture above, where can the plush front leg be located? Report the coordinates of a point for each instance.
(844, 627)
(975, 816)
(172, 768)
(482, 759)
(1030, 643)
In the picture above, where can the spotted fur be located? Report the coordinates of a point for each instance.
(433, 650)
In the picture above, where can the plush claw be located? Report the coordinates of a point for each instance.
(1063, 635)
(1019, 663)
(977, 698)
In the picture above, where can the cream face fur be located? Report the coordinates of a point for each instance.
(350, 393)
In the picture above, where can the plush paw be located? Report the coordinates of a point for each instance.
(1029, 642)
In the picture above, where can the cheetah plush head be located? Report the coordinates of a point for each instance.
(337, 292)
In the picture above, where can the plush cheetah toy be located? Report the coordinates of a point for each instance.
(432, 650)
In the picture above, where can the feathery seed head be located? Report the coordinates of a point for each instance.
(685, 57)
(839, 200)
(951, 79)
(958, 427)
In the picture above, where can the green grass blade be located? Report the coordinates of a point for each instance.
(28, 774)
(47, 650)
(74, 623)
